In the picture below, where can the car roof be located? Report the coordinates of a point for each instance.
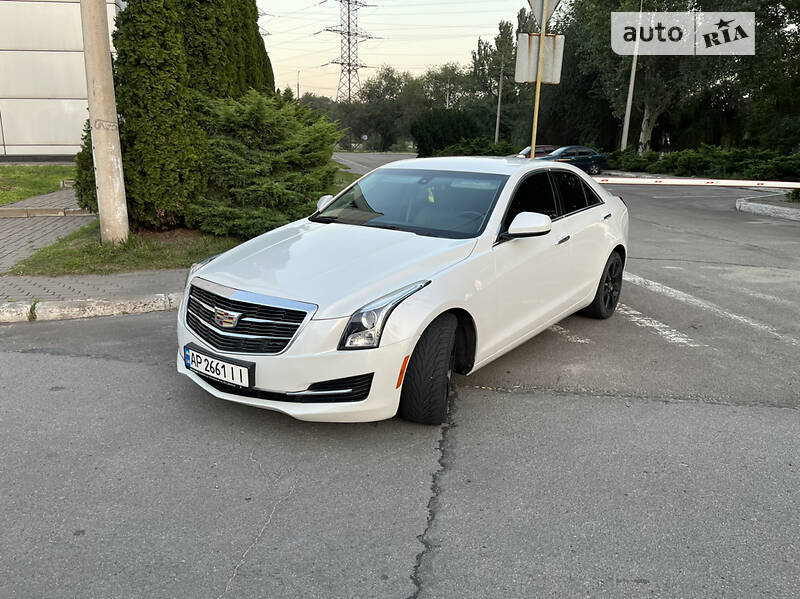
(494, 165)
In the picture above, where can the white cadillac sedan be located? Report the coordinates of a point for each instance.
(420, 269)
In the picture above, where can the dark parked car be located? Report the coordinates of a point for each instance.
(584, 158)
(540, 151)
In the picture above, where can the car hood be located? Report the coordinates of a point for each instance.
(339, 267)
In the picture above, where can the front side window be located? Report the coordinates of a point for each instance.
(534, 194)
(433, 203)
(570, 190)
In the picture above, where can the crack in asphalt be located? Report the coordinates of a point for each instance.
(445, 460)
(266, 520)
(666, 398)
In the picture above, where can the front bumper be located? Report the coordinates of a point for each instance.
(312, 358)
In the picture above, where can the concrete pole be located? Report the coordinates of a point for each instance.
(626, 124)
(499, 101)
(103, 119)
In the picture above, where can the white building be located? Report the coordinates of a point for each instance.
(43, 101)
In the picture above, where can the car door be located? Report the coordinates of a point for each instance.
(528, 271)
(583, 159)
(586, 220)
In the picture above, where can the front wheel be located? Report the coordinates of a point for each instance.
(607, 296)
(594, 169)
(426, 386)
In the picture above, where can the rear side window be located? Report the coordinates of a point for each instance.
(570, 189)
(568, 154)
(534, 194)
(592, 198)
(585, 153)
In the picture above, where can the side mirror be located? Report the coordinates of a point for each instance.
(323, 201)
(529, 224)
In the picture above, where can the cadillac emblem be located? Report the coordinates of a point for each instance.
(225, 319)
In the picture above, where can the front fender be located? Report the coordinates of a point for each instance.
(410, 319)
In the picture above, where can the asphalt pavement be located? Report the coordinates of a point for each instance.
(653, 454)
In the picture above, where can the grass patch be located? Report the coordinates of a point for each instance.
(341, 180)
(20, 182)
(82, 253)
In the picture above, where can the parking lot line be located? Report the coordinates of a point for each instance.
(566, 334)
(708, 306)
(663, 330)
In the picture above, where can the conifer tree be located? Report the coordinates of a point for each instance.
(163, 147)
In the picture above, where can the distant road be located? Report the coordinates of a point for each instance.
(362, 163)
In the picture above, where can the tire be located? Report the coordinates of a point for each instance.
(607, 296)
(426, 386)
(594, 169)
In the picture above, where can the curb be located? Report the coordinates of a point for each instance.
(88, 308)
(744, 205)
(31, 212)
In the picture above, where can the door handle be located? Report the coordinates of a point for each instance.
(563, 240)
(607, 216)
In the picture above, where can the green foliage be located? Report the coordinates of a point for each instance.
(477, 146)
(162, 145)
(437, 129)
(713, 162)
(225, 54)
(85, 189)
(793, 196)
(268, 162)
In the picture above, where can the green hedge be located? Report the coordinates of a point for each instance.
(713, 162)
(477, 146)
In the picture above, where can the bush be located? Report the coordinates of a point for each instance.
(85, 187)
(713, 162)
(436, 129)
(477, 146)
(268, 161)
(793, 196)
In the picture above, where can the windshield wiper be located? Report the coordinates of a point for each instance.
(324, 219)
(382, 226)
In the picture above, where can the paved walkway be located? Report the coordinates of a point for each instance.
(96, 287)
(21, 237)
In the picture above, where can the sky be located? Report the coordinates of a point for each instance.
(413, 35)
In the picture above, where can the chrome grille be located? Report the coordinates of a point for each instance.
(262, 328)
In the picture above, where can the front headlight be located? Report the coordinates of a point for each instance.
(197, 266)
(365, 327)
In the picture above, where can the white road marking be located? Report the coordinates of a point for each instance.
(572, 338)
(663, 330)
(703, 304)
(673, 267)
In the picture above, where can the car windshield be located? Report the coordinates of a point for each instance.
(432, 203)
(557, 153)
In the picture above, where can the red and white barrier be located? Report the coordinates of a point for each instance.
(697, 182)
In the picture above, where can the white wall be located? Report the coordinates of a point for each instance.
(42, 80)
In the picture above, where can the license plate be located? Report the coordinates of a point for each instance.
(230, 371)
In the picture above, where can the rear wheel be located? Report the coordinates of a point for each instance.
(607, 296)
(594, 169)
(426, 386)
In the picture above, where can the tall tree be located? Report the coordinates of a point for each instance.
(162, 144)
(225, 52)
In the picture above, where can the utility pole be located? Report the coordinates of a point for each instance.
(499, 100)
(542, 32)
(298, 85)
(106, 152)
(629, 102)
